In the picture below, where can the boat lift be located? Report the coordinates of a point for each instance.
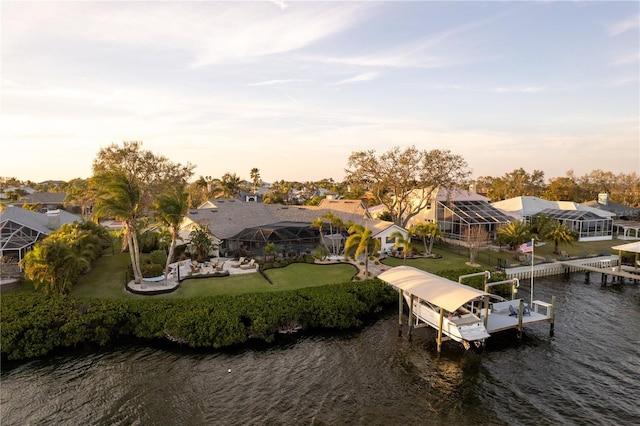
(473, 315)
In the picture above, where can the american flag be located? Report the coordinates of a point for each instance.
(526, 247)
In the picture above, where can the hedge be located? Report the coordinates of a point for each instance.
(33, 325)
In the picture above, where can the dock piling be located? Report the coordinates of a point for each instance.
(400, 304)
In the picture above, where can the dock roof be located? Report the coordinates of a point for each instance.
(436, 290)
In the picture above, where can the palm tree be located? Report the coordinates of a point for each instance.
(559, 233)
(539, 223)
(362, 241)
(231, 185)
(255, 179)
(319, 223)
(335, 223)
(401, 241)
(426, 231)
(54, 264)
(170, 209)
(513, 234)
(201, 240)
(119, 196)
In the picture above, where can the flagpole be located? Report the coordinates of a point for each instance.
(532, 253)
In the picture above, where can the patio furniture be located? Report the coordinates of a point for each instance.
(249, 265)
(238, 263)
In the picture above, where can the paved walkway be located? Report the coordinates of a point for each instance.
(186, 268)
(159, 285)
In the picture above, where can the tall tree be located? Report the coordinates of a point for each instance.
(563, 189)
(78, 192)
(427, 232)
(119, 196)
(361, 242)
(170, 209)
(406, 180)
(256, 182)
(335, 224)
(477, 238)
(231, 185)
(152, 171)
(126, 180)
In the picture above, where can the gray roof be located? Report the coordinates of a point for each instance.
(617, 208)
(228, 217)
(21, 228)
(34, 220)
(44, 198)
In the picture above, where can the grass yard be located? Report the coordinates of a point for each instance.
(107, 276)
(448, 261)
(107, 279)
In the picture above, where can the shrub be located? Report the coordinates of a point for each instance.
(35, 324)
(159, 257)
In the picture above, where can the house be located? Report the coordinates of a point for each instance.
(591, 224)
(20, 229)
(46, 200)
(459, 213)
(625, 223)
(345, 206)
(15, 192)
(245, 227)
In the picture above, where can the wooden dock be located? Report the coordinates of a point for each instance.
(605, 265)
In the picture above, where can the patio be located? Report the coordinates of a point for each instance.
(187, 269)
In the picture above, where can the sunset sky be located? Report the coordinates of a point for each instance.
(293, 88)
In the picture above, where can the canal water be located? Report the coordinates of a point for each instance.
(587, 374)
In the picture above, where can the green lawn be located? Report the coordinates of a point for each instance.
(107, 280)
(448, 261)
(107, 276)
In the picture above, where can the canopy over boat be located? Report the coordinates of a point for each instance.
(436, 290)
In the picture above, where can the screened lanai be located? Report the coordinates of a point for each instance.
(457, 219)
(289, 237)
(588, 225)
(16, 239)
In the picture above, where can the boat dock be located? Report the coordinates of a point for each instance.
(460, 312)
(605, 265)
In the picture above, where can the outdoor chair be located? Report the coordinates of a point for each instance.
(249, 265)
(512, 311)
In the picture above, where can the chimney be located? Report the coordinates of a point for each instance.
(53, 219)
(472, 187)
(603, 198)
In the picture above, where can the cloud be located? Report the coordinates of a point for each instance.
(526, 89)
(630, 58)
(629, 24)
(218, 32)
(278, 82)
(367, 76)
(434, 51)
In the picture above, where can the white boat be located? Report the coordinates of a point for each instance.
(457, 311)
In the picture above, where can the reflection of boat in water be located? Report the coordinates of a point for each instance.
(460, 312)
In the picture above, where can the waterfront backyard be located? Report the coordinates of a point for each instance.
(107, 277)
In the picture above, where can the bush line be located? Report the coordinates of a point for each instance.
(33, 325)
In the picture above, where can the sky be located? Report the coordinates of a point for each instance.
(294, 88)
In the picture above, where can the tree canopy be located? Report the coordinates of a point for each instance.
(404, 181)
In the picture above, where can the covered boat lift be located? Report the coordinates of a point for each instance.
(430, 296)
